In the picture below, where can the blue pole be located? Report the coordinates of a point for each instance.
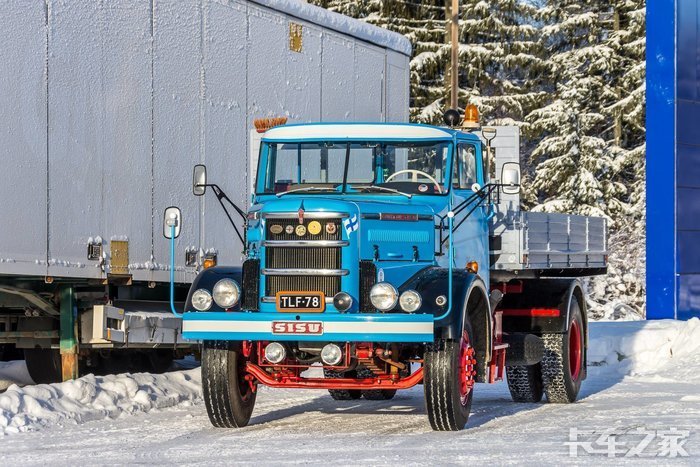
(172, 272)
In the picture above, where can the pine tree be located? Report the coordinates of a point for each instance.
(575, 168)
(624, 287)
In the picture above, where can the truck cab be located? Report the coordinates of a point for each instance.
(367, 258)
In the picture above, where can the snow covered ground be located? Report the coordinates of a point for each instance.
(644, 383)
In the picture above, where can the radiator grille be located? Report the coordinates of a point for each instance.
(302, 258)
(368, 277)
(251, 281)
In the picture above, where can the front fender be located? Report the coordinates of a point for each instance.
(208, 278)
(432, 282)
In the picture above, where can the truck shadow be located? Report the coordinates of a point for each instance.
(487, 406)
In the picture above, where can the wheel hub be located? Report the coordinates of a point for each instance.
(575, 349)
(467, 368)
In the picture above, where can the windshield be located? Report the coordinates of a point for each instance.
(413, 168)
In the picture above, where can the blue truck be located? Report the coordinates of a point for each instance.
(387, 256)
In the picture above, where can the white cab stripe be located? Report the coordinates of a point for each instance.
(329, 327)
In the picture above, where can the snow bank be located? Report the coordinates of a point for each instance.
(666, 349)
(644, 347)
(94, 398)
(14, 372)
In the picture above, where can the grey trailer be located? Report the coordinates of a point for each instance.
(105, 107)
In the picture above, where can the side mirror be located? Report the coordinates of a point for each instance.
(510, 178)
(172, 218)
(199, 180)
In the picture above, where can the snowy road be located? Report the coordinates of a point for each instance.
(655, 387)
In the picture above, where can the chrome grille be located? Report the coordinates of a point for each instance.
(304, 256)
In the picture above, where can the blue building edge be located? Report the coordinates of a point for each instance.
(673, 159)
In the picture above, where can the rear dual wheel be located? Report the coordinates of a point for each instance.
(450, 372)
(560, 373)
(564, 361)
(228, 396)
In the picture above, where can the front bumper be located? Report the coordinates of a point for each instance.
(351, 327)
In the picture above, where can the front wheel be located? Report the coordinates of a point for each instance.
(228, 395)
(564, 362)
(450, 371)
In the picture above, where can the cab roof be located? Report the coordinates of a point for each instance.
(358, 132)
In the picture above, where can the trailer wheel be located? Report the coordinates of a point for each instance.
(342, 394)
(450, 371)
(160, 360)
(44, 365)
(564, 362)
(228, 396)
(525, 383)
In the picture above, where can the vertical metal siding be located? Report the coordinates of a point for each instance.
(687, 149)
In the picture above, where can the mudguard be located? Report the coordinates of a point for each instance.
(208, 278)
(432, 282)
(544, 293)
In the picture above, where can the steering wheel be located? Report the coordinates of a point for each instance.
(414, 178)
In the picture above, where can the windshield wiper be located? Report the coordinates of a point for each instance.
(307, 188)
(383, 188)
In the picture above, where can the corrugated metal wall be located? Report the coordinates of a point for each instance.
(106, 106)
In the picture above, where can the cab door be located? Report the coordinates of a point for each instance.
(470, 231)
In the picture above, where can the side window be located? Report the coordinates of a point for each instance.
(465, 168)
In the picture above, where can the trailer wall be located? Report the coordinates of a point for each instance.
(105, 107)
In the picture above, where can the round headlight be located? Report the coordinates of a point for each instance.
(275, 352)
(201, 300)
(226, 293)
(383, 296)
(331, 354)
(410, 301)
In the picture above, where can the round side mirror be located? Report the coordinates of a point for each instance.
(172, 218)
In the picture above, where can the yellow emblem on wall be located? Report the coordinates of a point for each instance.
(314, 227)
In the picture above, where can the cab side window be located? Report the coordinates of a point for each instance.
(465, 167)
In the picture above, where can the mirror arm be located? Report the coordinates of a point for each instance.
(221, 196)
(482, 196)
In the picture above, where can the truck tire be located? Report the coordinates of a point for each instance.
(228, 396)
(342, 394)
(375, 394)
(564, 362)
(525, 383)
(44, 365)
(450, 374)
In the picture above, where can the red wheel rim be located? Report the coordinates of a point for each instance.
(467, 368)
(575, 349)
